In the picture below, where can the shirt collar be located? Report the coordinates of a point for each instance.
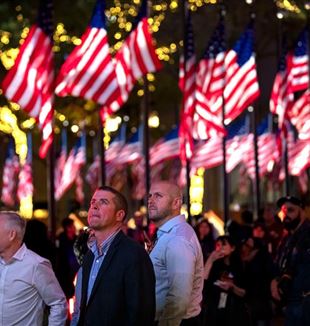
(19, 254)
(104, 245)
(170, 224)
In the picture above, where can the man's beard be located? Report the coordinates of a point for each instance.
(291, 224)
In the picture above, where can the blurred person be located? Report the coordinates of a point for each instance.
(292, 285)
(67, 264)
(137, 233)
(36, 239)
(204, 231)
(274, 228)
(258, 273)
(177, 259)
(28, 283)
(224, 289)
(116, 284)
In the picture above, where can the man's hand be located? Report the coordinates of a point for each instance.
(274, 290)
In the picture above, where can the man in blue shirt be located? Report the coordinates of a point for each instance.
(177, 259)
(116, 285)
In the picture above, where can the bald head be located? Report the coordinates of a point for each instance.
(164, 201)
(12, 221)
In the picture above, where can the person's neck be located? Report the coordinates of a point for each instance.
(10, 252)
(158, 224)
(102, 235)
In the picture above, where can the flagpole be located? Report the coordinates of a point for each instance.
(188, 180)
(225, 174)
(101, 150)
(257, 198)
(146, 132)
(51, 191)
(285, 157)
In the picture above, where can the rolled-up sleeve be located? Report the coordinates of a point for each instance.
(50, 291)
(181, 261)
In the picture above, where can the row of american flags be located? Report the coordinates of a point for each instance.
(223, 81)
(124, 161)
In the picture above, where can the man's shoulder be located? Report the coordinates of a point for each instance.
(34, 258)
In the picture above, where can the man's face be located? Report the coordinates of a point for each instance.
(292, 215)
(159, 202)
(102, 213)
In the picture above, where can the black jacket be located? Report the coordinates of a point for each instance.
(124, 290)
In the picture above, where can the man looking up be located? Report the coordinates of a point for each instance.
(177, 259)
(27, 281)
(116, 285)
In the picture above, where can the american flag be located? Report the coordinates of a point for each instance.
(299, 156)
(25, 183)
(88, 72)
(299, 115)
(209, 154)
(241, 87)
(132, 150)
(79, 163)
(116, 144)
(9, 177)
(30, 82)
(238, 138)
(303, 182)
(210, 82)
(187, 84)
(134, 59)
(165, 148)
(92, 174)
(61, 160)
(298, 60)
(282, 96)
(75, 161)
(268, 154)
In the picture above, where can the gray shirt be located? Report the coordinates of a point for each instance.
(27, 284)
(178, 264)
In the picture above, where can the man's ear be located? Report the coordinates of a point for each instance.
(120, 214)
(12, 235)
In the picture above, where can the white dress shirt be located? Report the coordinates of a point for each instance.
(178, 264)
(27, 284)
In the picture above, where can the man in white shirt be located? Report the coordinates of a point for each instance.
(177, 259)
(27, 281)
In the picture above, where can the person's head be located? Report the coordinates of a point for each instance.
(12, 230)
(293, 211)
(268, 213)
(225, 245)
(259, 231)
(204, 228)
(164, 202)
(69, 227)
(108, 209)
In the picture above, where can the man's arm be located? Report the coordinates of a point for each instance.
(50, 291)
(180, 262)
(140, 291)
(77, 299)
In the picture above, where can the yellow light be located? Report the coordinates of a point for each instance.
(150, 77)
(117, 36)
(26, 207)
(28, 124)
(40, 213)
(75, 40)
(5, 39)
(61, 117)
(75, 128)
(173, 5)
(112, 124)
(140, 92)
(153, 120)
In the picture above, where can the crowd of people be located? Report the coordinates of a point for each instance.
(165, 273)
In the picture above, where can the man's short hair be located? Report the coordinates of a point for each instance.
(119, 199)
(15, 222)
